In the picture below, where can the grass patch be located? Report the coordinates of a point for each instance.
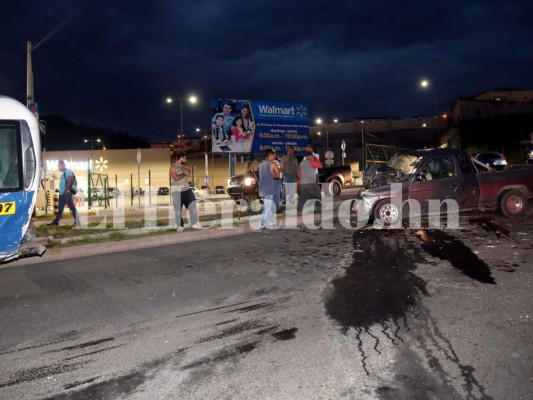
(96, 232)
(113, 236)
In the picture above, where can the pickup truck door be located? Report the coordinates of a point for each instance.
(436, 179)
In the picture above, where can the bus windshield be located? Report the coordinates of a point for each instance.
(10, 178)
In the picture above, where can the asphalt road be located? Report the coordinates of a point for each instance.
(296, 314)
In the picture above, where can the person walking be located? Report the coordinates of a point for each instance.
(308, 179)
(289, 168)
(182, 194)
(66, 182)
(268, 171)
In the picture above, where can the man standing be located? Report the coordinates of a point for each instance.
(529, 150)
(310, 149)
(268, 170)
(289, 167)
(65, 197)
(308, 179)
(277, 185)
(182, 194)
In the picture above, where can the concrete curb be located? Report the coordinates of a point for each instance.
(221, 228)
(88, 250)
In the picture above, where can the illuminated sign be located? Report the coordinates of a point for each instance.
(250, 126)
(100, 164)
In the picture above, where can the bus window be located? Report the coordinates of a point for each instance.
(9, 162)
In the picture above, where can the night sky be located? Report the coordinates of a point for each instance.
(114, 62)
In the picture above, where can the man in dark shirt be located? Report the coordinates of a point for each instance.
(529, 150)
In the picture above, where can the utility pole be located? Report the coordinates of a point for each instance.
(29, 75)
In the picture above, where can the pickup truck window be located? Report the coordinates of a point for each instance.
(438, 168)
(464, 163)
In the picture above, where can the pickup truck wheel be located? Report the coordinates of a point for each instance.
(388, 212)
(513, 204)
(334, 188)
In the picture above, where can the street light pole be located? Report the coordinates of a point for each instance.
(29, 74)
(206, 161)
(91, 166)
(191, 99)
(425, 83)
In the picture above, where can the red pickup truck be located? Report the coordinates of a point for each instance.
(436, 176)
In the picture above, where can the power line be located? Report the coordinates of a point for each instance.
(64, 22)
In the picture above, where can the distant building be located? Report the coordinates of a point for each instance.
(416, 132)
(494, 103)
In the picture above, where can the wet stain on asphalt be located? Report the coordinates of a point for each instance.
(246, 348)
(234, 330)
(286, 334)
(93, 352)
(446, 247)
(486, 224)
(252, 307)
(377, 288)
(84, 345)
(79, 383)
(33, 374)
(380, 290)
(221, 355)
(119, 386)
(60, 338)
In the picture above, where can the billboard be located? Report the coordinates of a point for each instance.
(251, 126)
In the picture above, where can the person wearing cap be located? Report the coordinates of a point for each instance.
(182, 194)
(308, 179)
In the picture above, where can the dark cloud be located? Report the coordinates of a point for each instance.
(115, 62)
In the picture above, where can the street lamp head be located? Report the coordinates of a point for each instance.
(193, 99)
(424, 83)
(169, 100)
(318, 133)
(335, 120)
(318, 121)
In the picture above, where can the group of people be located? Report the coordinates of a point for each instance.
(228, 128)
(291, 172)
(272, 173)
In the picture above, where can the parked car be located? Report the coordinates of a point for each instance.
(491, 159)
(163, 191)
(439, 175)
(136, 191)
(246, 186)
(220, 190)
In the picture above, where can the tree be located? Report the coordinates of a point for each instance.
(63, 134)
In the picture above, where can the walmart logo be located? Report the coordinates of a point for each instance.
(301, 111)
